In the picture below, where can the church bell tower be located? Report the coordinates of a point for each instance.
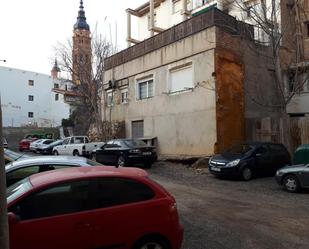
(81, 53)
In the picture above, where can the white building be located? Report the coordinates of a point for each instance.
(27, 99)
(155, 16)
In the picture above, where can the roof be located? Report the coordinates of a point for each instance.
(81, 23)
(61, 175)
(47, 159)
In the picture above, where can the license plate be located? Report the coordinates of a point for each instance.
(146, 153)
(216, 169)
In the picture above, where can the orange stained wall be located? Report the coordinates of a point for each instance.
(230, 107)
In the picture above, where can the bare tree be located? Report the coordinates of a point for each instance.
(91, 77)
(283, 39)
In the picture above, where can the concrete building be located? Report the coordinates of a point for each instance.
(27, 99)
(156, 16)
(191, 87)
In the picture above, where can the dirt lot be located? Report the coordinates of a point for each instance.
(235, 214)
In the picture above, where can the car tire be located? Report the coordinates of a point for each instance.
(152, 243)
(246, 174)
(121, 162)
(75, 153)
(21, 150)
(291, 184)
(55, 153)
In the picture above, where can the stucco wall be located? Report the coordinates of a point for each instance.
(184, 123)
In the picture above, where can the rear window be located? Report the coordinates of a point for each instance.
(277, 148)
(118, 191)
(134, 143)
(48, 141)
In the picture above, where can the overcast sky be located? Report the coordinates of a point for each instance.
(31, 28)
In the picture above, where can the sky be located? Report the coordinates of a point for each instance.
(30, 29)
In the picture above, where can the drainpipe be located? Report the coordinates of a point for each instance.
(184, 10)
(151, 8)
(128, 28)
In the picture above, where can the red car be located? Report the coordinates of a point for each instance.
(24, 144)
(92, 207)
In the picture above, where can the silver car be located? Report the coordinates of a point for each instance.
(293, 178)
(18, 170)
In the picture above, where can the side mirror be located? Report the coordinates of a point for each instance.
(13, 219)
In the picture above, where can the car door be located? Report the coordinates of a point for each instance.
(104, 155)
(122, 212)
(62, 148)
(304, 177)
(56, 217)
(263, 159)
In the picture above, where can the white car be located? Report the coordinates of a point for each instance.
(34, 146)
(76, 146)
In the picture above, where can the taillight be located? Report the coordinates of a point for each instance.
(136, 151)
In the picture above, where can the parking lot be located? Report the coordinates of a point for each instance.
(235, 214)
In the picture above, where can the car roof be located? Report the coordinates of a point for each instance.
(46, 160)
(61, 175)
(258, 143)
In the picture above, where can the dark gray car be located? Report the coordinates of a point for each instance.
(18, 170)
(293, 178)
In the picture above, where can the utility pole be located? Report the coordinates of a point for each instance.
(4, 227)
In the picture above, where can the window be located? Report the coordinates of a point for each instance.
(124, 96)
(30, 97)
(110, 97)
(19, 174)
(30, 114)
(56, 85)
(138, 129)
(181, 78)
(307, 29)
(61, 199)
(145, 89)
(56, 97)
(30, 82)
(118, 191)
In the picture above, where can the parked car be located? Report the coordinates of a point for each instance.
(73, 208)
(18, 170)
(11, 156)
(24, 144)
(38, 144)
(249, 159)
(124, 152)
(32, 146)
(293, 178)
(76, 146)
(47, 149)
(5, 143)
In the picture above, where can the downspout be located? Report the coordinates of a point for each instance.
(151, 10)
(128, 28)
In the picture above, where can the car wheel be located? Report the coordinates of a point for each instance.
(75, 153)
(291, 184)
(121, 162)
(246, 174)
(155, 243)
(56, 153)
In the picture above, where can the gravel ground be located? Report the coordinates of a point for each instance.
(219, 214)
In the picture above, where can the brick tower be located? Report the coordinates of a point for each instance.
(81, 53)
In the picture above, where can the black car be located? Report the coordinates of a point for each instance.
(125, 152)
(47, 149)
(249, 159)
(293, 178)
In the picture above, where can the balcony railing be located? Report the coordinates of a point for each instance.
(212, 17)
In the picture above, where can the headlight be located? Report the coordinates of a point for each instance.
(278, 173)
(233, 163)
(135, 151)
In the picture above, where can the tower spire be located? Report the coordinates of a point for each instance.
(81, 18)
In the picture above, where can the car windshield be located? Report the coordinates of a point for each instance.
(240, 149)
(134, 143)
(57, 142)
(17, 189)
